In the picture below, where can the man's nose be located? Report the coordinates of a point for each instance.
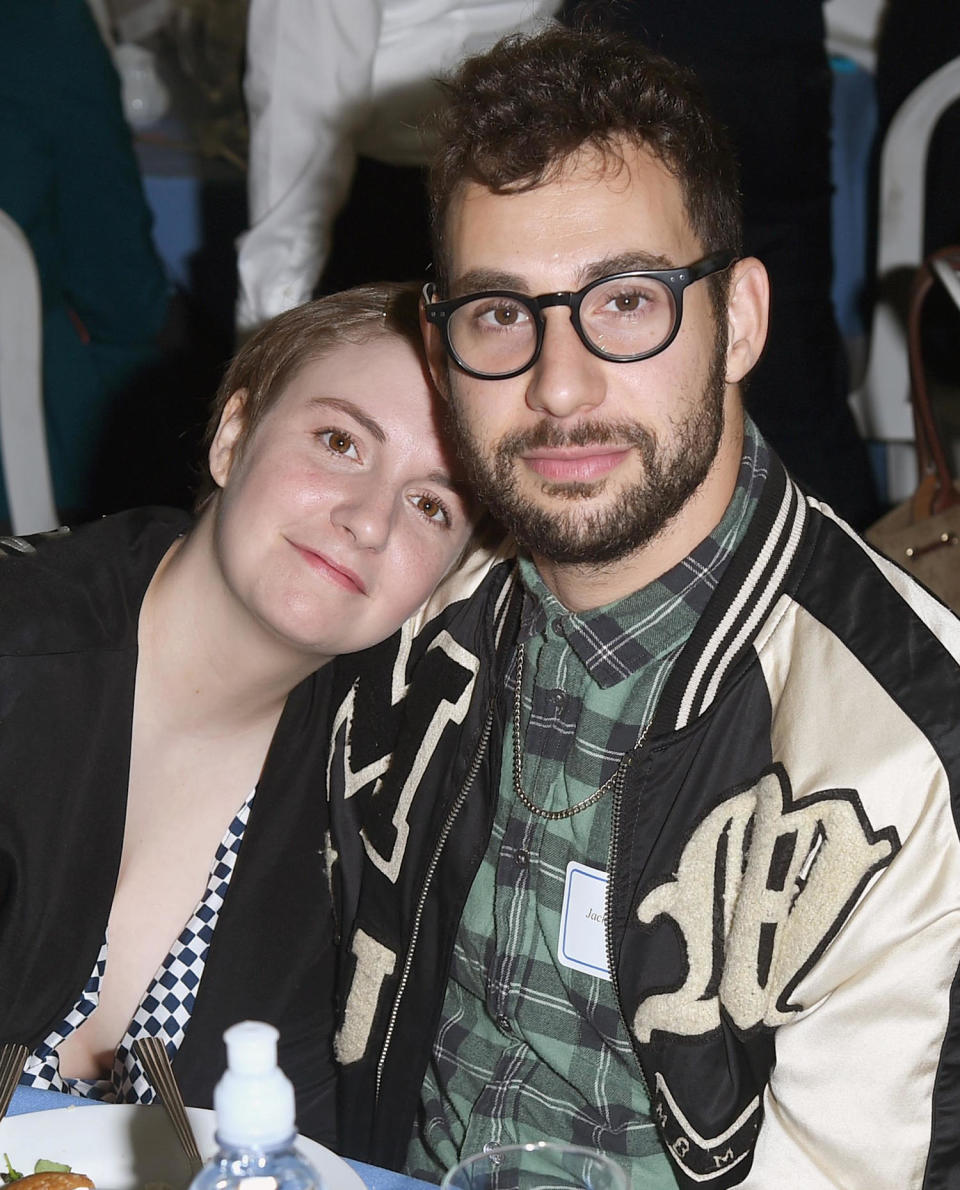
(366, 513)
(567, 379)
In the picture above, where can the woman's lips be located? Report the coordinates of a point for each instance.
(575, 466)
(341, 575)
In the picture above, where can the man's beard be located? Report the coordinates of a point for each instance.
(640, 512)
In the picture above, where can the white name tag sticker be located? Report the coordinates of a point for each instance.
(583, 941)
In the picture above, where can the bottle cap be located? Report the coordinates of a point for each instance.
(254, 1099)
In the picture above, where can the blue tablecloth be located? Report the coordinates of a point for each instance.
(26, 1099)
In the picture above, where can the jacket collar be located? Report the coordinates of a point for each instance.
(757, 576)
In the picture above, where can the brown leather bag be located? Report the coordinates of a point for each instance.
(923, 533)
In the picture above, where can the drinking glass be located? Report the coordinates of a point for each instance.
(541, 1165)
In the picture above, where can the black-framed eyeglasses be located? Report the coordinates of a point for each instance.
(625, 317)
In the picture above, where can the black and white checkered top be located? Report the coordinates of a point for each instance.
(166, 1005)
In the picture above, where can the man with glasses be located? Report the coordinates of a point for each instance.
(645, 838)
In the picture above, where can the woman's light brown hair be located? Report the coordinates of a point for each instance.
(267, 363)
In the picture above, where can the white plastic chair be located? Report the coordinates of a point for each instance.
(23, 440)
(882, 403)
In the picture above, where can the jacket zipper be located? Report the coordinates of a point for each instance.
(441, 841)
(608, 928)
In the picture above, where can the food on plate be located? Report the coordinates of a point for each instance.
(54, 1181)
(47, 1175)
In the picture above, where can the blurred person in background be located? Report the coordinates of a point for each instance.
(916, 39)
(70, 180)
(336, 93)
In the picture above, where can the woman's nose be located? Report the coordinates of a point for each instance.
(366, 512)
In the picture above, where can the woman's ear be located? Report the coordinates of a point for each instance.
(436, 354)
(748, 308)
(224, 447)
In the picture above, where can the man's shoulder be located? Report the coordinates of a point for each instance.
(798, 547)
(407, 716)
(847, 597)
(804, 582)
(485, 566)
(873, 596)
(423, 682)
(465, 617)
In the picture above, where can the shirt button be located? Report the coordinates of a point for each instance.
(558, 626)
(523, 858)
(559, 699)
(503, 1024)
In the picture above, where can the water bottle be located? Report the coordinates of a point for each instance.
(255, 1112)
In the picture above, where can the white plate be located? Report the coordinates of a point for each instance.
(121, 1147)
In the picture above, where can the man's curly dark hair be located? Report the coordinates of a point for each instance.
(515, 114)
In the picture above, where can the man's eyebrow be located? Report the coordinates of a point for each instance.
(478, 280)
(624, 262)
(371, 425)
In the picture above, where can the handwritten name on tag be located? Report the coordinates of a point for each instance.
(582, 944)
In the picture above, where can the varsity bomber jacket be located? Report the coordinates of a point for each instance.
(783, 909)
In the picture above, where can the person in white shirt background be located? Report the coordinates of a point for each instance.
(327, 81)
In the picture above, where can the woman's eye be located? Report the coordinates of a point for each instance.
(432, 509)
(338, 443)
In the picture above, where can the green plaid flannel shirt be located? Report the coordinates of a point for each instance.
(529, 1048)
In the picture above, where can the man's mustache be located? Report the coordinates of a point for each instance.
(586, 433)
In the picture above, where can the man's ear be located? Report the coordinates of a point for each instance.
(436, 353)
(748, 308)
(223, 448)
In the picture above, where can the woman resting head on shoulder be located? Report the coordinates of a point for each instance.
(338, 506)
(161, 862)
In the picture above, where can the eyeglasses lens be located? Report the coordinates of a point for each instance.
(628, 316)
(495, 335)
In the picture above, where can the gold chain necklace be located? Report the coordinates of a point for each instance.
(554, 815)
